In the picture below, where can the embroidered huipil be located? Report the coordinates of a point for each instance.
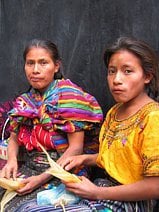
(129, 149)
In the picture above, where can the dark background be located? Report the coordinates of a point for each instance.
(80, 28)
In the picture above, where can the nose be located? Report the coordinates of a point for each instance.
(36, 68)
(117, 78)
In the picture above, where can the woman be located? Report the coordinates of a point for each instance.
(54, 112)
(129, 139)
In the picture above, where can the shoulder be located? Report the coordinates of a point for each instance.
(149, 115)
(68, 88)
(112, 110)
(150, 110)
(68, 85)
(24, 97)
(110, 116)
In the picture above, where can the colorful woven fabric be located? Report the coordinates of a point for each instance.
(63, 108)
(62, 102)
(46, 119)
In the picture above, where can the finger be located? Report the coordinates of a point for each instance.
(64, 164)
(23, 189)
(69, 166)
(25, 181)
(80, 177)
(21, 192)
(2, 173)
(83, 177)
(60, 163)
(7, 173)
(15, 174)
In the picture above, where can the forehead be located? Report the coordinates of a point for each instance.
(35, 52)
(124, 57)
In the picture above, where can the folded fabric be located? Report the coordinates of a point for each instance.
(62, 107)
(56, 196)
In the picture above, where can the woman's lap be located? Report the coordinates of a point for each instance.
(28, 202)
(31, 206)
(88, 205)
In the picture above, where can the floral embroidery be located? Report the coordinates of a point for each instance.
(148, 163)
(120, 129)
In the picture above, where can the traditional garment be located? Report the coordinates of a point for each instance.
(129, 150)
(63, 108)
(128, 146)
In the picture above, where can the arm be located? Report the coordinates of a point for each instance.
(10, 169)
(78, 160)
(13, 147)
(76, 142)
(75, 148)
(33, 182)
(148, 188)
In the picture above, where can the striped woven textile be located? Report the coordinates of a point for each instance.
(63, 108)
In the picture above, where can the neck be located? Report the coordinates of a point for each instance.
(130, 108)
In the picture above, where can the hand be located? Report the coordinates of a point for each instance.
(85, 188)
(71, 162)
(61, 161)
(31, 183)
(10, 170)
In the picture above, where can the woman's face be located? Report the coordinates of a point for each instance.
(40, 68)
(126, 77)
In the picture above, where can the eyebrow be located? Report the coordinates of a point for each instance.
(125, 66)
(38, 59)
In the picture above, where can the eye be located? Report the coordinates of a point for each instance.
(43, 62)
(29, 63)
(111, 71)
(127, 71)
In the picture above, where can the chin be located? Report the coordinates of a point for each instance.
(119, 100)
(37, 88)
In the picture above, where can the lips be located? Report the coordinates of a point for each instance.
(117, 91)
(33, 79)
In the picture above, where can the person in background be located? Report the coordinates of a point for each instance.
(129, 138)
(54, 112)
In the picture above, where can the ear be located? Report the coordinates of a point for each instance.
(57, 66)
(148, 78)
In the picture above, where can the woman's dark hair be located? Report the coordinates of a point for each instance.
(147, 56)
(50, 47)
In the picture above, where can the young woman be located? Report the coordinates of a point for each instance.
(54, 112)
(129, 138)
